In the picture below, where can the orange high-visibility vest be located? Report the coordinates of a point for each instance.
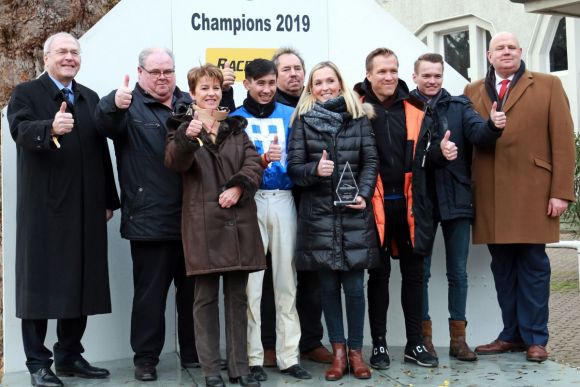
(413, 120)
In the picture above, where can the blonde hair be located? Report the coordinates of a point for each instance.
(307, 100)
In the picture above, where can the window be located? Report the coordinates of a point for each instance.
(456, 51)
(558, 50)
(462, 40)
(487, 40)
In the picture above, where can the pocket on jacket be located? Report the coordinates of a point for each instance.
(146, 125)
(134, 203)
(543, 164)
(462, 192)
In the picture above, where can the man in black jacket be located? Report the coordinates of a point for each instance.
(406, 152)
(66, 193)
(150, 206)
(290, 75)
(453, 200)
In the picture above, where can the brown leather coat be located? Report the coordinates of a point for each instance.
(217, 239)
(532, 162)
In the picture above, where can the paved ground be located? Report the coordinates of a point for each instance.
(564, 350)
(564, 324)
(490, 371)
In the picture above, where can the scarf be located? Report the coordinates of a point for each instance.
(211, 118)
(257, 109)
(327, 116)
(490, 84)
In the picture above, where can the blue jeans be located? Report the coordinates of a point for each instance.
(456, 236)
(353, 284)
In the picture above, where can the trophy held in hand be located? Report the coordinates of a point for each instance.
(347, 189)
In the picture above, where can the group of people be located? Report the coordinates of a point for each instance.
(287, 200)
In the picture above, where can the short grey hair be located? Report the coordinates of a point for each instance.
(144, 54)
(283, 51)
(48, 42)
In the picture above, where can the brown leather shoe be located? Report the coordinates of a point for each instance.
(269, 358)
(318, 355)
(339, 363)
(357, 364)
(499, 346)
(537, 353)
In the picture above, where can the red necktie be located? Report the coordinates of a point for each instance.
(503, 88)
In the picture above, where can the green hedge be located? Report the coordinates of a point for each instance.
(572, 216)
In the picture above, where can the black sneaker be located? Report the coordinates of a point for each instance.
(380, 356)
(420, 356)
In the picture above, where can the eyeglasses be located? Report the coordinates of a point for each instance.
(158, 73)
(63, 52)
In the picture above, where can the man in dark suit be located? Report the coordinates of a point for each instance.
(66, 193)
(521, 186)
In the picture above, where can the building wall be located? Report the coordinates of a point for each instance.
(415, 13)
(534, 31)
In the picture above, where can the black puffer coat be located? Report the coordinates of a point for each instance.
(330, 237)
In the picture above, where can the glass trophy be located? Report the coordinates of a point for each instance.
(347, 190)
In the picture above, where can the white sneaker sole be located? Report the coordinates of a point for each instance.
(410, 359)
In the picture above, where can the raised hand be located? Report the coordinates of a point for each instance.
(275, 150)
(498, 118)
(325, 166)
(229, 76)
(63, 121)
(194, 127)
(448, 147)
(124, 95)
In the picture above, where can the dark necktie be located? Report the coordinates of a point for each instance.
(503, 88)
(68, 95)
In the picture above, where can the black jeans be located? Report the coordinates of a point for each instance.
(411, 266)
(155, 266)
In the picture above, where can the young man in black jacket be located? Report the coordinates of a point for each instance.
(453, 207)
(406, 152)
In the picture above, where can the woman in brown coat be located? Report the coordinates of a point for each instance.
(221, 172)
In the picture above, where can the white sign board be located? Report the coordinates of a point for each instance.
(236, 31)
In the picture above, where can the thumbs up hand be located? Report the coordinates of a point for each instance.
(498, 118)
(325, 166)
(275, 150)
(124, 95)
(448, 148)
(63, 121)
(229, 76)
(194, 127)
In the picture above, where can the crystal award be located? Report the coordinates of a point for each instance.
(347, 190)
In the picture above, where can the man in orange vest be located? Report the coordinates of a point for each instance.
(404, 216)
